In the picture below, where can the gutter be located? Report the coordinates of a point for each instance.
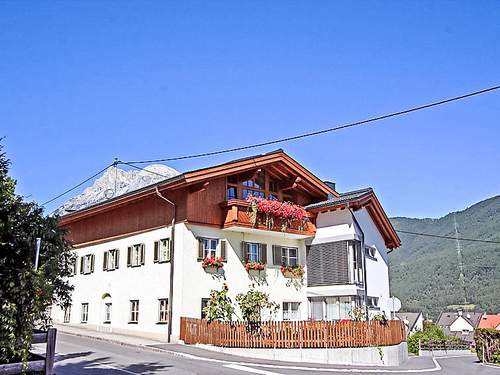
(365, 283)
(171, 278)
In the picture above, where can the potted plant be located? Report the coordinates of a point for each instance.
(212, 264)
(293, 272)
(254, 268)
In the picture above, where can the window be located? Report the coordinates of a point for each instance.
(372, 301)
(85, 313)
(254, 252)
(162, 251)
(291, 311)
(371, 251)
(231, 192)
(255, 186)
(338, 308)
(75, 265)
(163, 310)
(255, 193)
(357, 261)
(67, 314)
(111, 260)
(134, 311)
(107, 312)
(210, 247)
(87, 264)
(204, 303)
(135, 255)
(317, 308)
(289, 256)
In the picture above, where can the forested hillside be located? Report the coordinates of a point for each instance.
(424, 271)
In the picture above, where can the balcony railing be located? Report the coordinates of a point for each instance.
(238, 214)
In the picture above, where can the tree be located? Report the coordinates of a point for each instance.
(220, 307)
(26, 294)
(253, 303)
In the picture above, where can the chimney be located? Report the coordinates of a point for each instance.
(459, 312)
(331, 185)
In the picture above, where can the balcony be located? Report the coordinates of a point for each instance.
(238, 218)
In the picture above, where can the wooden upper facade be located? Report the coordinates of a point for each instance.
(208, 196)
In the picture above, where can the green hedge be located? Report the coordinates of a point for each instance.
(488, 345)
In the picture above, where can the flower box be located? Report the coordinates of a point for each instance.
(275, 213)
(293, 272)
(212, 264)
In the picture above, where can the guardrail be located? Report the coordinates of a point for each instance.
(298, 334)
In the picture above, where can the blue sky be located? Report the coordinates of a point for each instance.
(83, 82)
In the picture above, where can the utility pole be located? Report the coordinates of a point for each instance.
(460, 259)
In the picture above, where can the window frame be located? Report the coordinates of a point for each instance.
(285, 256)
(290, 311)
(207, 251)
(88, 263)
(84, 313)
(138, 249)
(67, 314)
(162, 311)
(161, 256)
(134, 312)
(108, 310)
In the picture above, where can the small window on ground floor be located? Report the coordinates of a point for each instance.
(204, 303)
(291, 311)
(85, 313)
(162, 310)
(134, 311)
(67, 314)
(107, 312)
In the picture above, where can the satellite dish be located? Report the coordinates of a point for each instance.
(395, 304)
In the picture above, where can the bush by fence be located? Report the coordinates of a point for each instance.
(293, 334)
(487, 345)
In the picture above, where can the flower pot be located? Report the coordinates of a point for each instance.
(213, 270)
(291, 275)
(256, 273)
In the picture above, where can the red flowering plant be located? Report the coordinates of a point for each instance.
(215, 262)
(286, 212)
(296, 271)
(256, 266)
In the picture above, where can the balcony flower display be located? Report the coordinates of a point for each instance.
(293, 272)
(254, 266)
(284, 212)
(213, 262)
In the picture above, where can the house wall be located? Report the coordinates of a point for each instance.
(146, 283)
(192, 282)
(339, 226)
(460, 324)
(419, 324)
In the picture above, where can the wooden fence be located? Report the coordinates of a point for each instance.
(298, 334)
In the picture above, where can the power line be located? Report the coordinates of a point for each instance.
(78, 185)
(318, 132)
(447, 237)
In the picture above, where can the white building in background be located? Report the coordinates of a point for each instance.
(127, 249)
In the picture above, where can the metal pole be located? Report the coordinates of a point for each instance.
(37, 251)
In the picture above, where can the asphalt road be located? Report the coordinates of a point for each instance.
(78, 355)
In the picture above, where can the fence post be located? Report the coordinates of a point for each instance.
(50, 351)
(419, 347)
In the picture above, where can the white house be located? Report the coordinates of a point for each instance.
(460, 324)
(140, 254)
(413, 321)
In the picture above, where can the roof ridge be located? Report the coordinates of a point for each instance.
(367, 189)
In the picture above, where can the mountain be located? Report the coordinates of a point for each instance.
(114, 182)
(425, 270)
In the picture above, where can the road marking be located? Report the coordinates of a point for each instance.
(114, 368)
(252, 370)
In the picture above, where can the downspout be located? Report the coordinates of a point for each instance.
(364, 259)
(171, 281)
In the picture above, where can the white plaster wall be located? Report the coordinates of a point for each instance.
(460, 324)
(193, 283)
(147, 284)
(339, 225)
(377, 271)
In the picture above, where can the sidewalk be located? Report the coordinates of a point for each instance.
(115, 338)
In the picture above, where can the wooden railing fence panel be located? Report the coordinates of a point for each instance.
(294, 334)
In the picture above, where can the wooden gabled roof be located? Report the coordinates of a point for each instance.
(277, 162)
(364, 198)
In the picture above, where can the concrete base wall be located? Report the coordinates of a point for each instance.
(120, 331)
(443, 353)
(393, 355)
